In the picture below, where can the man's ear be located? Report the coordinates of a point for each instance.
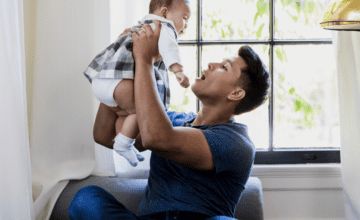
(237, 94)
(164, 11)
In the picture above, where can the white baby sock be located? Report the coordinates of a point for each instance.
(124, 146)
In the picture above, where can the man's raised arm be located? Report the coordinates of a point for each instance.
(186, 146)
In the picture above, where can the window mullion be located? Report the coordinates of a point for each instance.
(271, 70)
(199, 46)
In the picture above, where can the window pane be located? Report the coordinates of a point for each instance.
(190, 33)
(184, 99)
(300, 19)
(234, 20)
(258, 125)
(306, 102)
(257, 120)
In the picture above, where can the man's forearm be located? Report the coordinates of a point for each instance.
(138, 143)
(152, 120)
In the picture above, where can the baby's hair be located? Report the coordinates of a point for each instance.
(155, 4)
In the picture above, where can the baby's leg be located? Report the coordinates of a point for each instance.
(119, 127)
(124, 98)
(104, 127)
(127, 132)
(127, 126)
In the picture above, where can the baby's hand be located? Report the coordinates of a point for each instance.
(182, 79)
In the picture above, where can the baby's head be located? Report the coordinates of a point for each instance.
(177, 11)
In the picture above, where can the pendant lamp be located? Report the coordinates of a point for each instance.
(343, 15)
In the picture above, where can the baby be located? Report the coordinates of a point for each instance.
(111, 74)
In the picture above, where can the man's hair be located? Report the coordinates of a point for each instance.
(254, 80)
(155, 4)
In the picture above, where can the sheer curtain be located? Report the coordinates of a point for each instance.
(347, 52)
(68, 34)
(61, 38)
(15, 184)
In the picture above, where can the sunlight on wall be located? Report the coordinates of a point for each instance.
(124, 14)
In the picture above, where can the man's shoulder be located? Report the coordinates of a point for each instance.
(234, 135)
(231, 147)
(231, 128)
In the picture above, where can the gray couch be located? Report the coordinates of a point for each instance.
(130, 192)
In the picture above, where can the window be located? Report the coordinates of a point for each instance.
(299, 123)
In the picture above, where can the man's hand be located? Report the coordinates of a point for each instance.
(145, 47)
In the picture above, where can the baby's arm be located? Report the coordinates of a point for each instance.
(180, 76)
(169, 50)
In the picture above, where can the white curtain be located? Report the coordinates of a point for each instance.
(15, 174)
(61, 38)
(347, 54)
(68, 34)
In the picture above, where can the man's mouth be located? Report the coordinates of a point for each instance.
(202, 75)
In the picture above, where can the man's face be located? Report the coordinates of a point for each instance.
(219, 80)
(179, 14)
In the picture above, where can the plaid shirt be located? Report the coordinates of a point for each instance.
(117, 62)
(159, 72)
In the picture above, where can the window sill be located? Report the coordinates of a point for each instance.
(299, 177)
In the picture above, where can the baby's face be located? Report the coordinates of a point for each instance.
(179, 14)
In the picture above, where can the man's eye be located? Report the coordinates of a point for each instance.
(224, 67)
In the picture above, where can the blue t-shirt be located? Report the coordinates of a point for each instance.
(174, 187)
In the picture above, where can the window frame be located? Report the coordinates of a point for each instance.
(270, 156)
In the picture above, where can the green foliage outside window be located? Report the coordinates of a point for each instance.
(303, 13)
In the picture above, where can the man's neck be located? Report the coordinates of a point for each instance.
(209, 115)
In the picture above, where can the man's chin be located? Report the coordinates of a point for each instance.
(195, 88)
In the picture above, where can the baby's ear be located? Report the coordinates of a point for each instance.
(164, 11)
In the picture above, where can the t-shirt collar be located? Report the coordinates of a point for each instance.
(189, 122)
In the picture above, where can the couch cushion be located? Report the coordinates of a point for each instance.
(130, 193)
(251, 205)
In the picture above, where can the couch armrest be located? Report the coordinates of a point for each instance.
(250, 206)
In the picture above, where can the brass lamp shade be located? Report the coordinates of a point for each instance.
(343, 15)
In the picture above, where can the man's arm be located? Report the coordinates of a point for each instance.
(138, 143)
(185, 146)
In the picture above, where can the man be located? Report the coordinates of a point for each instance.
(200, 164)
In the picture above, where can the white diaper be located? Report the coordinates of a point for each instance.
(103, 90)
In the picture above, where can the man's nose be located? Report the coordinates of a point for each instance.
(212, 66)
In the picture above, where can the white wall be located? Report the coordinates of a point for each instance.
(125, 13)
(61, 43)
(301, 191)
(30, 24)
